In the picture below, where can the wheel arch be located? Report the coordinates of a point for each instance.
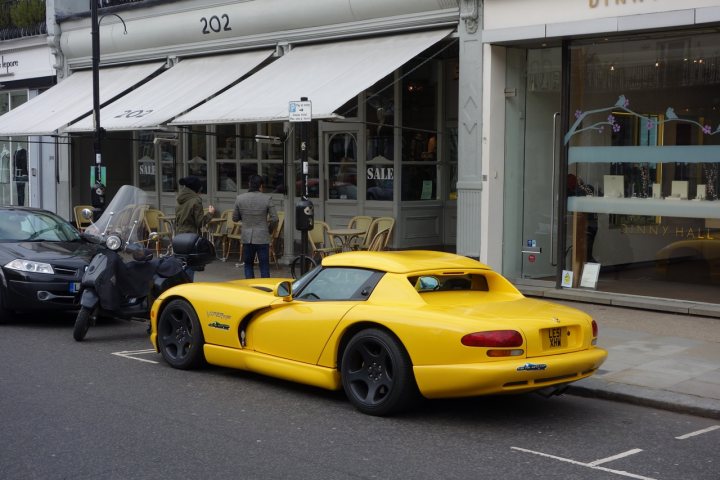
(353, 329)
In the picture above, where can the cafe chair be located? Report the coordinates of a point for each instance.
(378, 224)
(234, 235)
(321, 242)
(276, 239)
(154, 221)
(379, 241)
(360, 222)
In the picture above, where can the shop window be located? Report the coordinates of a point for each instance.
(4, 103)
(197, 155)
(380, 135)
(226, 142)
(274, 177)
(246, 171)
(18, 98)
(342, 167)
(642, 159)
(246, 141)
(168, 167)
(272, 151)
(419, 125)
(451, 147)
(14, 186)
(146, 160)
(226, 175)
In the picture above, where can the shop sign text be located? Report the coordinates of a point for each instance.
(6, 64)
(380, 173)
(666, 230)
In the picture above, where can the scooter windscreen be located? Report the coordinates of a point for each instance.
(123, 217)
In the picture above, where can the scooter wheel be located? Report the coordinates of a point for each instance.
(82, 324)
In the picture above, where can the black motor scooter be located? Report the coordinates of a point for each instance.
(124, 278)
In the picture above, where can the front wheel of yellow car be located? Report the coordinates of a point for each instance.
(377, 374)
(180, 336)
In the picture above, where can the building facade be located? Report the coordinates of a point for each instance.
(26, 69)
(203, 88)
(601, 144)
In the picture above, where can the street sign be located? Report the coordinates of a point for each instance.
(300, 111)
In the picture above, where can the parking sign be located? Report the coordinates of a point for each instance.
(300, 111)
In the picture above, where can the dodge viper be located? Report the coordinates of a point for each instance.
(383, 326)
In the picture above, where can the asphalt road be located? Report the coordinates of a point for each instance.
(109, 408)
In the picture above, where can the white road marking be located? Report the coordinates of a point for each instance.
(699, 432)
(615, 457)
(588, 465)
(131, 354)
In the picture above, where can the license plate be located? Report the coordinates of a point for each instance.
(74, 287)
(554, 337)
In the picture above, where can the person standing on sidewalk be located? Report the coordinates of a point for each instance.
(257, 213)
(189, 214)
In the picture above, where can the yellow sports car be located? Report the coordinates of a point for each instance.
(383, 326)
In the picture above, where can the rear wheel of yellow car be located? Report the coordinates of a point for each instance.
(377, 373)
(180, 336)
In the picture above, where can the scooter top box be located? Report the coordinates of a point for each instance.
(196, 250)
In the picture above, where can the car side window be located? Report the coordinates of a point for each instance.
(340, 283)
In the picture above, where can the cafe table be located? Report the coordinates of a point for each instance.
(346, 235)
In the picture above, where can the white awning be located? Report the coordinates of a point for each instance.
(328, 74)
(71, 99)
(173, 92)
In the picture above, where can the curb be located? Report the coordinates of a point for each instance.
(660, 399)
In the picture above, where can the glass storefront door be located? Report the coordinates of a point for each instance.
(532, 162)
(343, 187)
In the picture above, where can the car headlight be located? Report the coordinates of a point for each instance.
(30, 266)
(113, 242)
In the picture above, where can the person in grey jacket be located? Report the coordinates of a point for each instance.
(259, 218)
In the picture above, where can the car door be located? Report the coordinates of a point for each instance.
(298, 330)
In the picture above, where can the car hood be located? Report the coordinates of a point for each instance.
(50, 252)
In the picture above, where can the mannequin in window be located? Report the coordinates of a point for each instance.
(21, 174)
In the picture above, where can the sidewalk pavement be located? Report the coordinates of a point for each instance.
(662, 360)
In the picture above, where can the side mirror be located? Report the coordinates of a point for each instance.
(284, 290)
(86, 213)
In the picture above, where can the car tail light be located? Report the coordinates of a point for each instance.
(493, 338)
(595, 332)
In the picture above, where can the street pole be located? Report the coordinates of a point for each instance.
(97, 193)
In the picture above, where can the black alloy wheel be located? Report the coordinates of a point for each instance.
(180, 337)
(377, 373)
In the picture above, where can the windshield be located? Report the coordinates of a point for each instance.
(123, 216)
(300, 283)
(25, 225)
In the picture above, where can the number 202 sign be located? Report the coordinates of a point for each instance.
(215, 24)
(134, 113)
